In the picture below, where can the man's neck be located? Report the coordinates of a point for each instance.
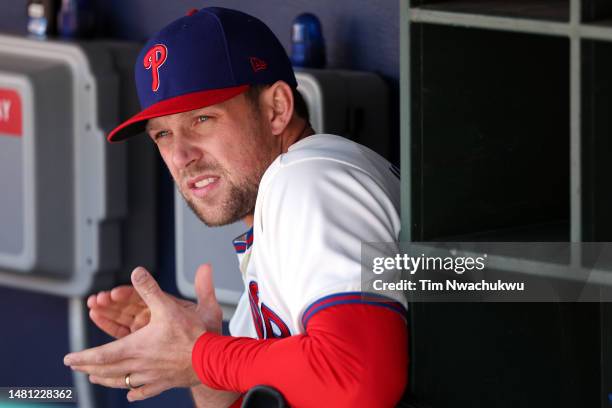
(303, 130)
(296, 131)
(248, 220)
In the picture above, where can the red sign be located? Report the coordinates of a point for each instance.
(10, 113)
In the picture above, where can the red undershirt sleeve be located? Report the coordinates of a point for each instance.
(351, 355)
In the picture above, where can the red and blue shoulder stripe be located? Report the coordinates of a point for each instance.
(352, 298)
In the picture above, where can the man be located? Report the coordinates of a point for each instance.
(219, 100)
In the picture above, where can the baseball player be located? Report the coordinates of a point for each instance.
(219, 100)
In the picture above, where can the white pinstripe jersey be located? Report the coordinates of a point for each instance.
(316, 204)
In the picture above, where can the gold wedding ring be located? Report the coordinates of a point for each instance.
(129, 384)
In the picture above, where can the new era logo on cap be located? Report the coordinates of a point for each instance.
(203, 59)
(258, 64)
(154, 59)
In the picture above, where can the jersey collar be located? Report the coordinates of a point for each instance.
(244, 242)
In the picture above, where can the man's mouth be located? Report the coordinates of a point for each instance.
(205, 182)
(201, 186)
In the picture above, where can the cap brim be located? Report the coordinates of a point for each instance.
(183, 103)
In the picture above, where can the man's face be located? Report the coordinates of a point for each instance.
(217, 156)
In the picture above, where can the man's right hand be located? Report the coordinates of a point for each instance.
(122, 311)
(118, 312)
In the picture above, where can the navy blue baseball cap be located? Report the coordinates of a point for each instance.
(202, 59)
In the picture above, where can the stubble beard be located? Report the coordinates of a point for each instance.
(240, 202)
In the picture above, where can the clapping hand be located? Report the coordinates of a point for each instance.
(156, 333)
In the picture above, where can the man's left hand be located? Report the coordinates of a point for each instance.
(158, 356)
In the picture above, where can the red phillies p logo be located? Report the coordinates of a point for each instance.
(154, 59)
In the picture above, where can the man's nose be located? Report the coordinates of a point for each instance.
(185, 151)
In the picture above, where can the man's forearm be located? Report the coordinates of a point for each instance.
(350, 355)
(205, 397)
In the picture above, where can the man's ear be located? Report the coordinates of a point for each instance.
(278, 103)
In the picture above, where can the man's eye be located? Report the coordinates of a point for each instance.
(202, 118)
(161, 134)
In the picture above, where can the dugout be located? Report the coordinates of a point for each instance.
(504, 130)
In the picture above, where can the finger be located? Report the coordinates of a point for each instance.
(117, 297)
(118, 381)
(147, 391)
(123, 312)
(125, 294)
(103, 299)
(109, 327)
(208, 306)
(107, 354)
(114, 382)
(148, 289)
(118, 369)
(204, 285)
(119, 316)
(131, 317)
(91, 301)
